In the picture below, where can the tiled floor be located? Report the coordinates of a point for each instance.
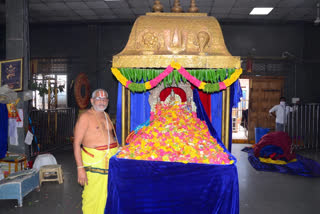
(260, 192)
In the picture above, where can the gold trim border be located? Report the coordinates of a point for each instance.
(186, 61)
(123, 116)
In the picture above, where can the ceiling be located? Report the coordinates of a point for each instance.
(49, 11)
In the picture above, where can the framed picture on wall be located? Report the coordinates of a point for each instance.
(11, 74)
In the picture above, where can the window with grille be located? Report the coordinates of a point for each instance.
(50, 79)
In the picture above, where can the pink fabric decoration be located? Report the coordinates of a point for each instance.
(222, 86)
(128, 83)
(161, 76)
(189, 77)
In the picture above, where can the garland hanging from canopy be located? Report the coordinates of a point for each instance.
(226, 78)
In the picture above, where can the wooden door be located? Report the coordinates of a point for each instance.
(265, 92)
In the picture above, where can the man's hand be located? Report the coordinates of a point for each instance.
(82, 177)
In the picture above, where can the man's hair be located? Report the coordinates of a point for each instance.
(282, 98)
(93, 95)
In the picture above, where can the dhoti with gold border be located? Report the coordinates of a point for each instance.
(96, 163)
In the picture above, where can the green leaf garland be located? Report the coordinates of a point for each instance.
(209, 75)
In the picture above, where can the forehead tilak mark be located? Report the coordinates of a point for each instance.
(101, 94)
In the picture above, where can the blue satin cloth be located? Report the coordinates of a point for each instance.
(118, 120)
(137, 186)
(235, 96)
(268, 150)
(3, 130)
(216, 108)
(303, 166)
(140, 109)
(216, 111)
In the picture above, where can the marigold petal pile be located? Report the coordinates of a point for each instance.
(175, 135)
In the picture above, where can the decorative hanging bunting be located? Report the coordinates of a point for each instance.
(220, 79)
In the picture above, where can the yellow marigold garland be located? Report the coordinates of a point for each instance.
(148, 86)
(202, 84)
(175, 65)
(119, 76)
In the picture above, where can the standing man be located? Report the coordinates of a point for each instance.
(94, 143)
(280, 112)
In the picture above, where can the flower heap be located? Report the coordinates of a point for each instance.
(175, 135)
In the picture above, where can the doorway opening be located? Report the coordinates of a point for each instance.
(54, 99)
(240, 115)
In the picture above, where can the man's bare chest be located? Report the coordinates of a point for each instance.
(100, 125)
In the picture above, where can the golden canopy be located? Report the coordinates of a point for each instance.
(194, 40)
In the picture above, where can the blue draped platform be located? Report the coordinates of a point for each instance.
(137, 186)
(303, 166)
